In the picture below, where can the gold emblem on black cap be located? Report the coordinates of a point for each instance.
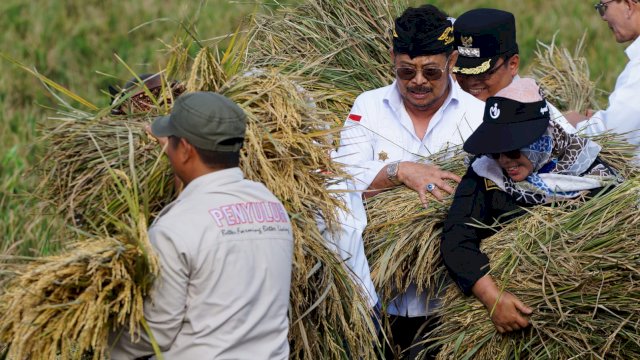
(467, 41)
(447, 35)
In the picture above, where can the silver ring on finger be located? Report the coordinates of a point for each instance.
(430, 187)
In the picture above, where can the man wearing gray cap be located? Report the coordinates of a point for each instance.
(225, 246)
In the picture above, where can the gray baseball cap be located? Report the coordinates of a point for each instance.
(206, 120)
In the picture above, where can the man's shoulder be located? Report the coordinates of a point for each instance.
(375, 96)
(370, 106)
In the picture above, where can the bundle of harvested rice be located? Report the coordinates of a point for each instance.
(342, 43)
(402, 238)
(576, 265)
(565, 76)
(81, 153)
(286, 148)
(64, 306)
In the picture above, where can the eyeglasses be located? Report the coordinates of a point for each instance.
(513, 154)
(486, 75)
(430, 73)
(601, 7)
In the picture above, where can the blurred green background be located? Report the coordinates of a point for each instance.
(73, 42)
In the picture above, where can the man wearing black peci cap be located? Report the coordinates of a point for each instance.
(225, 247)
(391, 130)
(488, 55)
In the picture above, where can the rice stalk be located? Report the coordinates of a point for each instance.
(402, 238)
(576, 265)
(343, 44)
(64, 306)
(351, 37)
(564, 76)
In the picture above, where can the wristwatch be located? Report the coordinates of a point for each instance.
(392, 172)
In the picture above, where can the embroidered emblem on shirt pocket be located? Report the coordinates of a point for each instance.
(490, 185)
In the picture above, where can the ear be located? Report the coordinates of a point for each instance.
(453, 59)
(392, 56)
(183, 151)
(514, 64)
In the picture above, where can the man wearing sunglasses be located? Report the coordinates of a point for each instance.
(488, 55)
(391, 130)
(621, 116)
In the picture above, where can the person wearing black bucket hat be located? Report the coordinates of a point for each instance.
(391, 130)
(523, 158)
(218, 244)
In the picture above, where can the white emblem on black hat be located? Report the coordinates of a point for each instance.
(494, 111)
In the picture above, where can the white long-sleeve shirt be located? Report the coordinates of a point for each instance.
(379, 131)
(225, 247)
(622, 115)
(347, 240)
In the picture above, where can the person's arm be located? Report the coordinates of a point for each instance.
(416, 176)
(507, 312)
(621, 116)
(574, 117)
(467, 265)
(165, 307)
(460, 244)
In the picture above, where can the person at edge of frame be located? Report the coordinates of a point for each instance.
(621, 116)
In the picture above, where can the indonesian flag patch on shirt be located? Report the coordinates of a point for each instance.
(355, 117)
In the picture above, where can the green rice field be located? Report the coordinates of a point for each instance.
(75, 44)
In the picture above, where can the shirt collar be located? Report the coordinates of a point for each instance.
(212, 180)
(633, 50)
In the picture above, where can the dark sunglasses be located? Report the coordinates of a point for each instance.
(429, 73)
(601, 7)
(513, 154)
(485, 76)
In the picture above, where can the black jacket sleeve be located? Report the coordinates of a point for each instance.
(476, 201)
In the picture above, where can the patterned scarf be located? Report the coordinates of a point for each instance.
(560, 163)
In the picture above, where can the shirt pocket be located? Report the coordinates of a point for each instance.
(388, 148)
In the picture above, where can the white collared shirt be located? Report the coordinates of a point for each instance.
(622, 115)
(379, 131)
